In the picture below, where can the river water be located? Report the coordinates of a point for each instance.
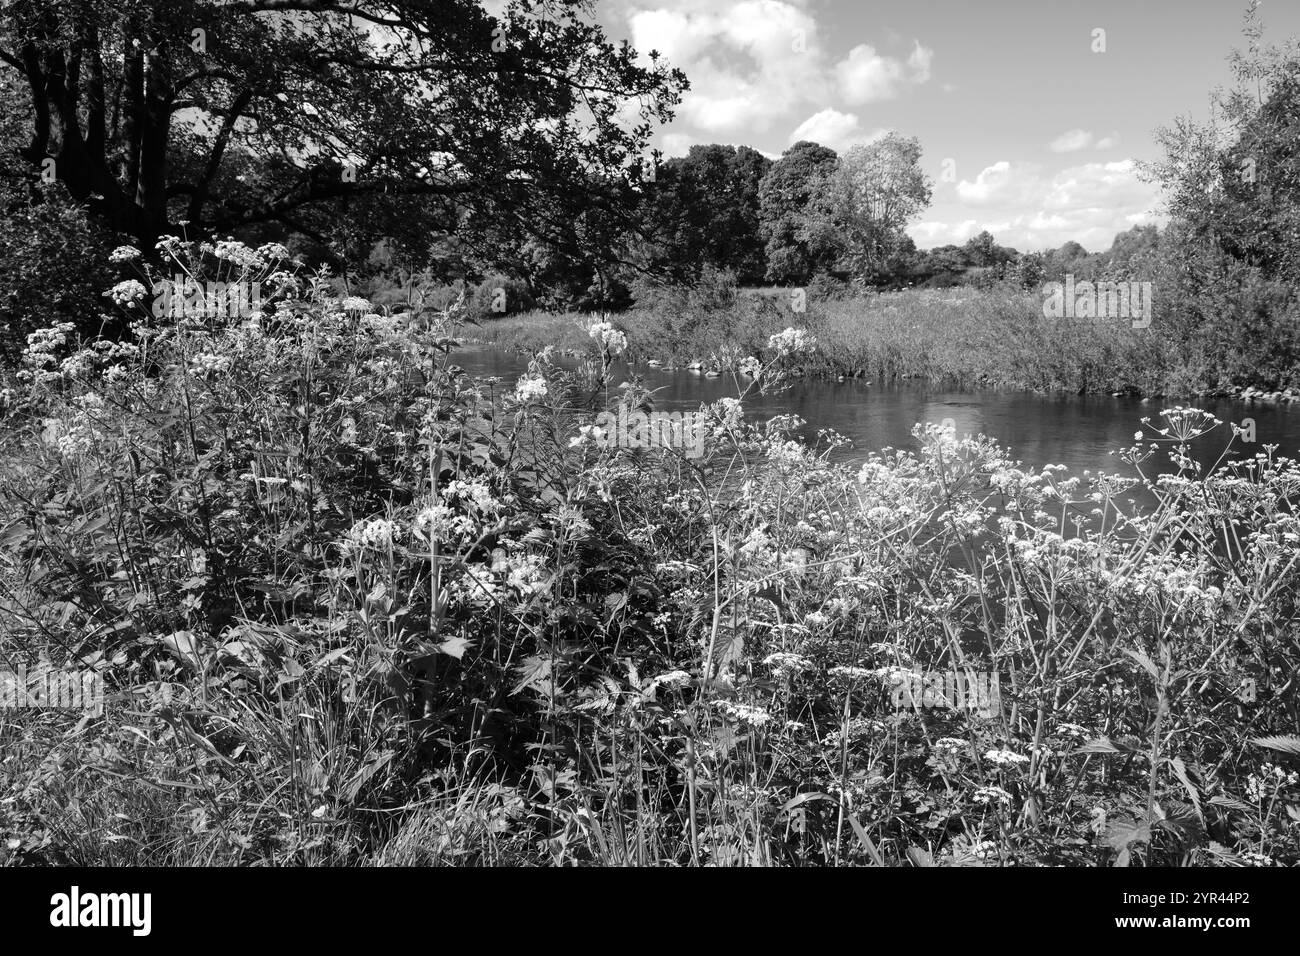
(1076, 431)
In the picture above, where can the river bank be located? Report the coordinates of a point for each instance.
(963, 339)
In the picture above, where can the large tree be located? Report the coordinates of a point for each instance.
(702, 210)
(1232, 184)
(795, 248)
(238, 113)
(877, 189)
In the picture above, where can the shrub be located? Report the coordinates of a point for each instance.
(53, 266)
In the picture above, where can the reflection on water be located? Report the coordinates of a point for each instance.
(1078, 432)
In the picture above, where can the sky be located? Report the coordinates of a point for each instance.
(1032, 123)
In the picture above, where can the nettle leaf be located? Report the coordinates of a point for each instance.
(1286, 745)
(1228, 803)
(729, 647)
(1224, 855)
(534, 672)
(1147, 663)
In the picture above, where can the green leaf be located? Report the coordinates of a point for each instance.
(185, 646)
(1181, 771)
(920, 857)
(1147, 663)
(865, 840)
(803, 798)
(1121, 832)
(1286, 745)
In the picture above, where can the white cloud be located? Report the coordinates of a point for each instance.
(1032, 210)
(753, 63)
(1108, 142)
(1001, 184)
(930, 233)
(919, 63)
(865, 76)
(748, 61)
(837, 130)
(677, 144)
(1071, 141)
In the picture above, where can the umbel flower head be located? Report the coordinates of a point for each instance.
(792, 342)
(530, 388)
(609, 337)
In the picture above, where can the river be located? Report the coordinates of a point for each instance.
(1076, 431)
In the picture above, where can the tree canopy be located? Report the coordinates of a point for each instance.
(249, 112)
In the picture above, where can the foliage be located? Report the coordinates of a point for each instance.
(876, 191)
(794, 250)
(351, 607)
(53, 266)
(702, 211)
(363, 116)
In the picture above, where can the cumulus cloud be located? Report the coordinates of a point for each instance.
(837, 130)
(679, 144)
(1030, 209)
(748, 61)
(1001, 184)
(866, 76)
(754, 63)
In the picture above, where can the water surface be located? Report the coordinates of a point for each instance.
(1076, 431)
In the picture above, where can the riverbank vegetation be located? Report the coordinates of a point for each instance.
(351, 607)
(962, 337)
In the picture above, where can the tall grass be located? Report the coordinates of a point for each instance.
(958, 338)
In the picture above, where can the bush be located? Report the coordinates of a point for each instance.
(53, 266)
(499, 295)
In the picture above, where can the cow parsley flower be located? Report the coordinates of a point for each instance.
(530, 388)
(609, 337)
(743, 713)
(792, 342)
(124, 254)
(674, 678)
(378, 533)
(785, 664)
(127, 292)
(1005, 758)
